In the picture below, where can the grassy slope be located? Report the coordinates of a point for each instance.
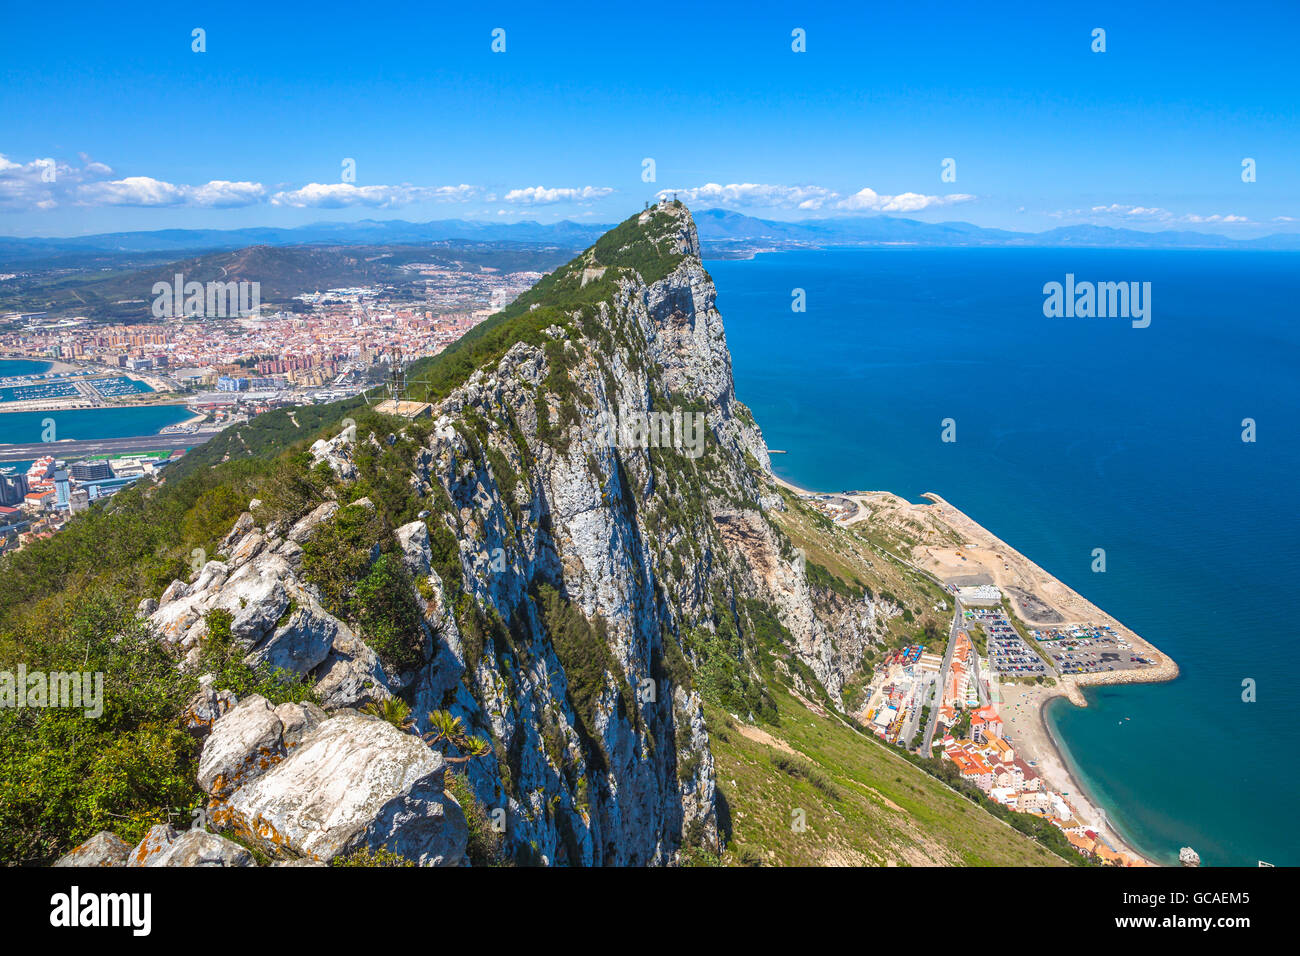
(868, 806)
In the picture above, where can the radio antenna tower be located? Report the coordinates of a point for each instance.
(396, 375)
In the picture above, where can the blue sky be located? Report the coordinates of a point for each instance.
(146, 134)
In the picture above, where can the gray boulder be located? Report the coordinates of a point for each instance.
(301, 531)
(154, 844)
(355, 782)
(298, 721)
(200, 848)
(103, 849)
(244, 743)
(301, 644)
(174, 591)
(206, 708)
(352, 674)
(416, 553)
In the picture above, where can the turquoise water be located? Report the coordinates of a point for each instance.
(1075, 434)
(82, 423)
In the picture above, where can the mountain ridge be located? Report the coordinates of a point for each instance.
(716, 226)
(571, 610)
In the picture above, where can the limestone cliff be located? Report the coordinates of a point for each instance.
(594, 552)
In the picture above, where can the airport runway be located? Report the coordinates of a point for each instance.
(70, 450)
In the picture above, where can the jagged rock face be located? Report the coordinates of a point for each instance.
(639, 538)
(625, 800)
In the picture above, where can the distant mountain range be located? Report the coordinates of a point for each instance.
(722, 232)
(720, 227)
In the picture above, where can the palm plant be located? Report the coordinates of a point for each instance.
(448, 731)
(394, 710)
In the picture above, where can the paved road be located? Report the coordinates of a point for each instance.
(101, 446)
(979, 684)
(943, 678)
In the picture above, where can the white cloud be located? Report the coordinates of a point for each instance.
(147, 191)
(31, 186)
(541, 195)
(339, 195)
(867, 198)
(223, 194)
(807, 198)
(40, 183)
(131, 191)
(763, 195)
(1156, 214)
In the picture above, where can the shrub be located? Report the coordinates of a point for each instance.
(337, 555)
(389, 615)
(64, 776)
(383, 857)
(486, 845)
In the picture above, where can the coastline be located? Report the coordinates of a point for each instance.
(1023, 706)
(78, 405)
(1073, 607)
(1023, 709)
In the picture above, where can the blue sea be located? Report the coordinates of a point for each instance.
(1075, 434)
(81, 423)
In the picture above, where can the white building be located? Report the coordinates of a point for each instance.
(982, 595)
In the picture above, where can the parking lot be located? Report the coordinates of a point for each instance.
(1088, 649)
(1007, 652)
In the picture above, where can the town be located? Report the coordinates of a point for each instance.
(945, 702)
(37, 501)
(332, 344)
(324, 347)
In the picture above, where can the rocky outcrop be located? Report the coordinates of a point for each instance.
(335, 452)
(161, 846)
(206, 707)
(276, 616)
(200, 848)
(242, 746)
(353, 783)
(302, 643)
(154, 845)
(103, 849)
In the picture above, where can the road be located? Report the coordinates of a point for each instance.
(101, 446)
(943, 678)
(980, 689)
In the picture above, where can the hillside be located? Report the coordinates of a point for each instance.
(621, 641)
